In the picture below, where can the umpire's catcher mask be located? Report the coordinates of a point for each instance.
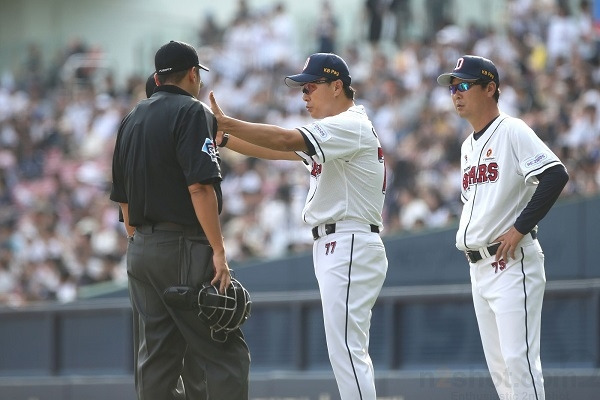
(223, 313)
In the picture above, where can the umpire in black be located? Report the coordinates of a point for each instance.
(166, 179)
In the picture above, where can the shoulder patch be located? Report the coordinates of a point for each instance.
(319, 130)
(209, 148)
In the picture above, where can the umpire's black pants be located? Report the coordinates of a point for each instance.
(164, 335)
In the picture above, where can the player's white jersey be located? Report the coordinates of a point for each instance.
(347, 173)
(498, 179)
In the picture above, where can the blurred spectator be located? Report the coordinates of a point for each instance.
(562, 35)
(414, 211)
(210, 34)
(243, 10)
(280, 40)
(381, 21)
(326, 29)
(438, 14)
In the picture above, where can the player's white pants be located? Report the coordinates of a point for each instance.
(508, 305)
(350, 268)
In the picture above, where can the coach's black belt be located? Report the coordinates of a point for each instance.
(330, 228)
(171, 227)
(475, 255)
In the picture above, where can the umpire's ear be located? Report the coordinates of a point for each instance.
(194, 74)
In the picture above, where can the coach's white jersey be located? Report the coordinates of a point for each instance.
(347, 173)
(498, 179)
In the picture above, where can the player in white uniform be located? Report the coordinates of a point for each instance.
(343, 207)
(510, 181)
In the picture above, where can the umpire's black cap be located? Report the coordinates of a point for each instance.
(471, 68)
(321, 65)
(176, 56)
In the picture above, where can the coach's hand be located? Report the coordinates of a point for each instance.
(509, 242)
(219, 114)
(219, 137)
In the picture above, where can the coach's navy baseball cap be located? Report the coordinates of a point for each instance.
(321, 65)
(471, 68)
(176, 56)
(150, 85)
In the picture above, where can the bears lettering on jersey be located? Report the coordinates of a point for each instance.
(482, 173)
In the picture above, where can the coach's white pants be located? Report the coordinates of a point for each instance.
(350, 268)
(508, 305)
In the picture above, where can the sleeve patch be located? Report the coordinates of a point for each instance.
(534, 161)
(319, 130)
(209, 148)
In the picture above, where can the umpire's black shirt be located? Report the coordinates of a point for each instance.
(164, 145)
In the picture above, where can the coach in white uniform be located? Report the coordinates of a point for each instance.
(510, 181)
(343, 207)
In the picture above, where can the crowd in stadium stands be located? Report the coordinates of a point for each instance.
(60, 232)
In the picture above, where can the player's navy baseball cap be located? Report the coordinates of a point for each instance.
(176, 56)
(321, 65)
(471, 68)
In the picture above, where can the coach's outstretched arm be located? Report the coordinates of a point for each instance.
(264, 135)
(251, 150)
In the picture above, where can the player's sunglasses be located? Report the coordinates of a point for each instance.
(461, 87)
(464, 86)
(310, 87)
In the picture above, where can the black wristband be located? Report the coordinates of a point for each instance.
(224, 140)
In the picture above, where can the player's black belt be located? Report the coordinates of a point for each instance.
(475, 255)
(188, 230)
(330, 228)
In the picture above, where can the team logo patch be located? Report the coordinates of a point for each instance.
(535, 160)
(209, 148)
(318, 129)
(488, 153)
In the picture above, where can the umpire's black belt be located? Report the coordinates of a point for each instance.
(188, 230)
(475, 255)
(348, 225)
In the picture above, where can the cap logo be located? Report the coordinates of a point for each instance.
(331, 71)
(488, 74)
(306, 64)
(459, 63)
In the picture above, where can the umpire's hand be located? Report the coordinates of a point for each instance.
(222, 272)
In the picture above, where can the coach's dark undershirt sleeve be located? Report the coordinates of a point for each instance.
(551, 183)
